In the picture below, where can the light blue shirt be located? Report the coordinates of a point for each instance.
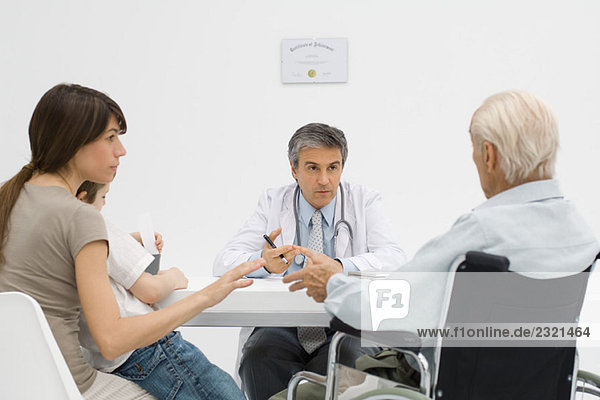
(305, 213)
(531, 224)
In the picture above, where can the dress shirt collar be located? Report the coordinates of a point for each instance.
(525, 193)
(306, 211)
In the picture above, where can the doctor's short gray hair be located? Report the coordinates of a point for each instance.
(314, 136)
(523, 129)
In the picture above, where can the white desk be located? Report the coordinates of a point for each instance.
(267, 302)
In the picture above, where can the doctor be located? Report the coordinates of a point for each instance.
(342, 221)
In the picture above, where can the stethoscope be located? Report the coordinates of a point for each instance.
(299, 259)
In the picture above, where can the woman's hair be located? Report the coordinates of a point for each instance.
(523, 129)
(91, 191)
(66, 118)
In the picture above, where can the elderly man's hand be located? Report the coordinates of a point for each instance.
(315, 274)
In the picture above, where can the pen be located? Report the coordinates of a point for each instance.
(268, 239)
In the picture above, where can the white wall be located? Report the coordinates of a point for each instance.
(209, 120)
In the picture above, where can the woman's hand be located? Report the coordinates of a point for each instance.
(231, 280)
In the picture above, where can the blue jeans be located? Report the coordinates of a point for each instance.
(173, 368)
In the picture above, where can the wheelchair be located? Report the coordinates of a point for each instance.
(521, 370)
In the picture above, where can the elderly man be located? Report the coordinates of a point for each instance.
(526, 218)
(343, 223)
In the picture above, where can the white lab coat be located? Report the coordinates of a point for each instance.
(373, 248)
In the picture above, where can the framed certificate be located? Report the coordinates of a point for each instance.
(320, 60)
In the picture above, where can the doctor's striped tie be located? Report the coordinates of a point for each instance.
(311, 338)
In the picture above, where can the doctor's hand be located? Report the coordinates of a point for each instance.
(315, 274)
(274, 263)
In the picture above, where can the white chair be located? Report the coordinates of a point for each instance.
(31, 364)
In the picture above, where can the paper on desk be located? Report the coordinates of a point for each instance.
(147, 233)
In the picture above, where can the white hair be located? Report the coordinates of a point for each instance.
(523, 129)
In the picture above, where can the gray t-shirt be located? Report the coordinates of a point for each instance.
(48, 227)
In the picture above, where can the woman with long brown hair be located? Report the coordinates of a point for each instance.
(54, 248)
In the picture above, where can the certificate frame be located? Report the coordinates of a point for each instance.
(314, 60)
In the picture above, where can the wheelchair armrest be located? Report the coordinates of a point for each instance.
(585, 379)
(303, 376)
(588, 377)
(393, 393)
(406, 340)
